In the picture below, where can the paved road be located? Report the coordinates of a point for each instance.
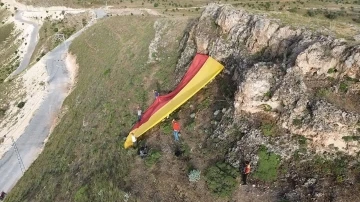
(32, 43)
(31, 141)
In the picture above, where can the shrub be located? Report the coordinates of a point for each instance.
(268, 165)
(268, 129)
(221, 179)
(330, 15)
(296, 122)
(166, 127)
(153, 157)
(21, 105)
(343, 87)
(292, 10)
(156, 5)
(351, 138)
(268, 94)
(331, 70)
(194, 175)
(310, 13)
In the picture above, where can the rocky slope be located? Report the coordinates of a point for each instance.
(297, 94)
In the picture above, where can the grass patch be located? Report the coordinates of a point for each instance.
(268, 165)
(86, 147)
(221, 179)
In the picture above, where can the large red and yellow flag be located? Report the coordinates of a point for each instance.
(201, 71)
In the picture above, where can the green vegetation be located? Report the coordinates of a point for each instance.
(152, 158)
(166, 127)
(337, 167)
(351, 138)
(84, 159)
(268, 165)
(322, 92)
(268, 94)
(21, 105)
(343, 87)
(266, 107)
(221, 179)
(331, 71)
(297, 122)
(269, 129)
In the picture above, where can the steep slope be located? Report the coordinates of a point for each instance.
(287, 101)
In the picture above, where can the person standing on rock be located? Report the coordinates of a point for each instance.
(176, 129)
(246, 172)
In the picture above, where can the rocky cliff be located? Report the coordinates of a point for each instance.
(297, 96)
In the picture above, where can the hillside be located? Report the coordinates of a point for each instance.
(287, 101)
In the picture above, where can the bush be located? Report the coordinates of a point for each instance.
(330, 15)
(268, 165)
(332, 70)
(194, 175)
(296, 122)
(351, 138)
(343, 87)
(221, 179)
(268, 129)
(156, 5)
(21, 105)
(292, 10)
(311, 13)
(153, 157)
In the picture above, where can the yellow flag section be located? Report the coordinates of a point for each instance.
(207, 73)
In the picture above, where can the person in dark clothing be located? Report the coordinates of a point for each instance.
(156, 94)
(2, 195)
(245, 171)
(143, 151)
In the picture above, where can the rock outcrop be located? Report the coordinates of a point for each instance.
(301, 83)
(278, 71)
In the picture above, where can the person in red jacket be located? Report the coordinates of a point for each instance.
(176, 129)
(246, 171)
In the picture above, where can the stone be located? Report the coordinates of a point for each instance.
(216, 112)
(192, 115)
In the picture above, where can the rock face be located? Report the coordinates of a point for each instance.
(300, 82)
(279, 69)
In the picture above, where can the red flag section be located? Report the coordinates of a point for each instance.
(195, 66)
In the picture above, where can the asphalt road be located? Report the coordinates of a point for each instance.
(32, 43)
(31, 142)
